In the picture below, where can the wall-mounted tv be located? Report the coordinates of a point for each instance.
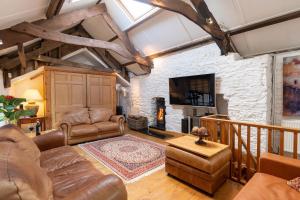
(193, 90)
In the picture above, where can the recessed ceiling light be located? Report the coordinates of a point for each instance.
(209, 20)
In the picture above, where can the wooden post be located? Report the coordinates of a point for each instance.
(270, 140)
(239, 152)
(258, 147)
(22, 57)
(248, 162)
(281, 147)
(295, 151)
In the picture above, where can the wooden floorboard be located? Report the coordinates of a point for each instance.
(160, 186)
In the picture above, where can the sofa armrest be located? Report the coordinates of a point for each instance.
(107, 187)
(279, 166)
(50, 140)
(120, 120)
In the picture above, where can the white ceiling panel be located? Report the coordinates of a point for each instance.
(16, 11)
(194, 31)
(226, 12)
(162, 32)
(277, 37)
(121, 59)
(98, 28)
(257, 10)
(69, 6)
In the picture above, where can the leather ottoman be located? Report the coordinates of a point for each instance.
(205, 173)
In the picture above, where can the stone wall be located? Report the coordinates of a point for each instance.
(246, 83)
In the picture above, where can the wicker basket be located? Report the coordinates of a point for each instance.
(137, 122)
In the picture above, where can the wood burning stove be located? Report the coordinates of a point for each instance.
(160, 115)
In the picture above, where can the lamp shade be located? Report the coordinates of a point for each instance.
(33, 95)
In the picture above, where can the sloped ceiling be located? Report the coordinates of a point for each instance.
(165, 30)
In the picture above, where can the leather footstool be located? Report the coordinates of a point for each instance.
(188, 163)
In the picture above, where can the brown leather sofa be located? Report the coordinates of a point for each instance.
(270, 183)
(91, 124)
(45, 169)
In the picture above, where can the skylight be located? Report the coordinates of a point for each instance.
(136, 9)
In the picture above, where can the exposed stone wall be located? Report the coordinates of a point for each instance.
(244, 82)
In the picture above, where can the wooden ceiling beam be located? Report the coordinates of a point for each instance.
(54, 8)
(201, 16)
(145, 64)
(46, 47)
(57, 61)
(57, 23)
(39, 31)
(22, 57)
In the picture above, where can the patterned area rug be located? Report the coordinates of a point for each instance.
(130, 157)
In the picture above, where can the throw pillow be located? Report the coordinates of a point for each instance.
(100, 114)
(76, 117)
(295, 183)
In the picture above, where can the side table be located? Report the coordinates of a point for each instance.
(29, 120)
(204, 166)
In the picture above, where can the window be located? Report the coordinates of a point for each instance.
(136, 9)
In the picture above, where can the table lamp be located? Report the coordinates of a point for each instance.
(32, 95)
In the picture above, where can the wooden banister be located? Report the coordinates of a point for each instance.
(231, 128)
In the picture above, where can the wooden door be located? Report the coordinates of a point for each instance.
(69, 93)
(101, 91)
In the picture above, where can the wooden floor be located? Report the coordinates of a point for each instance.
(160, 186)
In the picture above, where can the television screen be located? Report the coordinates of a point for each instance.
(193, 90)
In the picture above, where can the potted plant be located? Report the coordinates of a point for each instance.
(9, 109)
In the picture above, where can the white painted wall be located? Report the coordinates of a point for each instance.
(244, 82)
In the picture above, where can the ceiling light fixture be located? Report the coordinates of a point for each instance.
(1, 42)
(209, 20)
(73, 1)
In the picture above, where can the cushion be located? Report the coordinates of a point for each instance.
(76, 117)
(59, 158)
(24, 143)
(265, 186)
(20, 177)
(107, 126)
(84, 130)
(100, 114)
(295, 183)
(81, 173)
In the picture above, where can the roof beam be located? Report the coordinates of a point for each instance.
(70, 64)
(46, 47)
(202, 17)
(57, 23)
(48, 34)
(22, 57)
(145, 64)
(54, 8)
(264, 23)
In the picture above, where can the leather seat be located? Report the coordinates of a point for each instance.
(265, 186)
(107, 126)
(60, 174)
(84, 130)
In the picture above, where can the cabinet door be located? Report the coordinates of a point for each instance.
(69, 91)
(101, 91)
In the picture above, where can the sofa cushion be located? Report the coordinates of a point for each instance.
(100, 114)
(72, 178)
(59, 158)
(265, 186)
(84, 130)
(20, 177)
(107, 126)
(24, 143)
(76, 117)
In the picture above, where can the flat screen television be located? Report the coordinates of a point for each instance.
(193, 90)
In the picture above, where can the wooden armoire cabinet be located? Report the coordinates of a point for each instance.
(65, 89)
